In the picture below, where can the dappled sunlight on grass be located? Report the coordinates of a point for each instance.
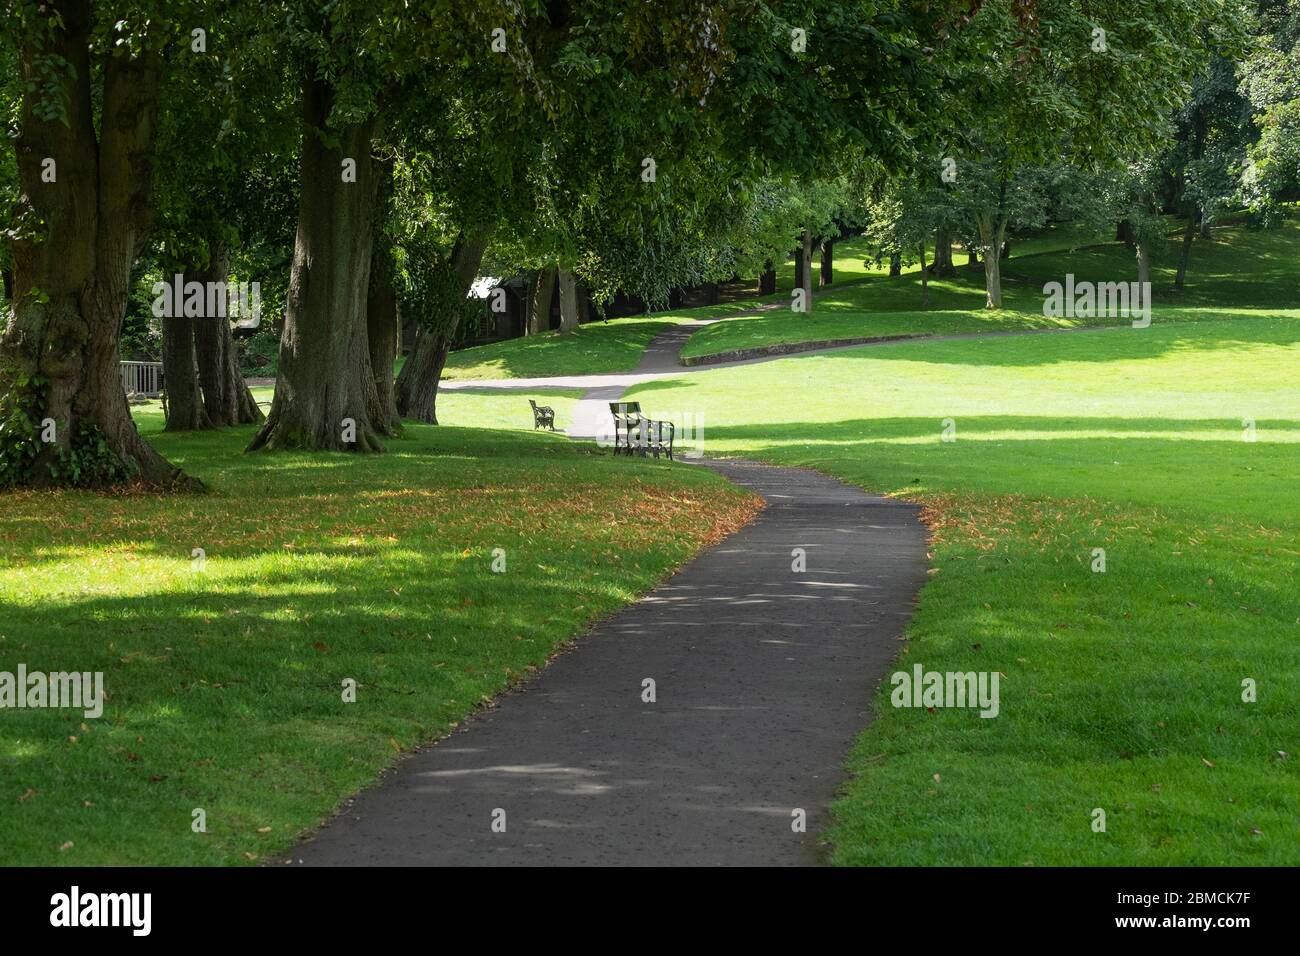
(224, 680)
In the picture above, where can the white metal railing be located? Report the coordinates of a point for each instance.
(142, 378)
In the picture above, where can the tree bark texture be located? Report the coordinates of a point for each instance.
(76, 239)
(568, 301)
(325, 394)
(417, 385)
(541, 289)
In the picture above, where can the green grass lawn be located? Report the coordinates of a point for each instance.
(1123, 689)
(505, 410)
(1239, 270)
(225, 684)
(613, 346)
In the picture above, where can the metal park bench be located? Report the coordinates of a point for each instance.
(633, 432)
(543, 416)
(142, 379)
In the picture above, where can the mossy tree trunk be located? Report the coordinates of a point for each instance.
(79, 226)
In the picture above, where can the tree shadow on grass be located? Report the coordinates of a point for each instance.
(1111, 340)
(1187, 465)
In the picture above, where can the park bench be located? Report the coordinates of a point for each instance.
(543, 416)
(633, 432)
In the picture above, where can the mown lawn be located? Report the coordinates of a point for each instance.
(613, 346)
(1237, 270)
(224, 682)
(1122, 690)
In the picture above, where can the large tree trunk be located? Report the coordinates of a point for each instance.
(767, 281)
(805, 271)
(895, 265)
(541, 288)
(226, 397)
(568, 301)
(417, 391)
(72, 259)
(381, 332)
(992, 232)
(828, 261)
(417, 385)
(325, 395)
(185, 411)
(383, 322)
(185, 407)
(942, 265)
(1185, 254)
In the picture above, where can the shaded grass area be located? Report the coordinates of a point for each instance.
(1121, 690)
(224, 682)
(1238, 270)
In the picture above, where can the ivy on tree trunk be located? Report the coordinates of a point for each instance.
(76, 237)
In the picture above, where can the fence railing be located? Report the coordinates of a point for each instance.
(142, 378)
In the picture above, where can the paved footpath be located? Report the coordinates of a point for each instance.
(763, 677)
(590, 416)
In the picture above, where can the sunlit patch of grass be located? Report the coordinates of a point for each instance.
(224, 679)
(1238, 273)
(1121, 690)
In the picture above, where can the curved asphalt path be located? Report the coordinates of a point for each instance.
(763, 678)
